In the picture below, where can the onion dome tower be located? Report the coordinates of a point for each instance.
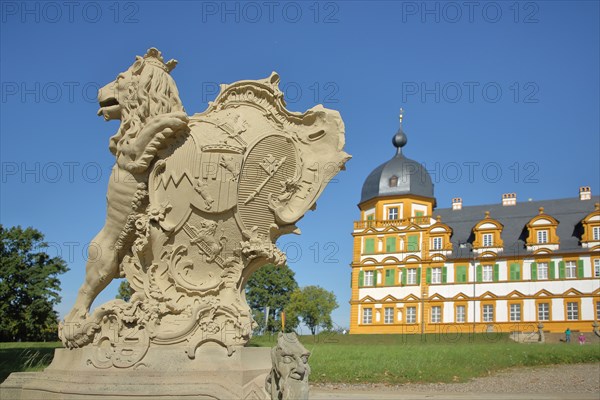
(398, 176)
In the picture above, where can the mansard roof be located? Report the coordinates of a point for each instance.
(569, 213)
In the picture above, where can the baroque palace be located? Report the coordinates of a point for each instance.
(492, 268)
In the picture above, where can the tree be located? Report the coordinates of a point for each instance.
(313, 305)
(271, 287)
(125, 291)
(29, 286)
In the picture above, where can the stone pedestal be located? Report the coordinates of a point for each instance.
(164, 374)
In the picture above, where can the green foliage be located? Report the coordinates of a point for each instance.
(29, 286)
(271, 287)
(313, 305)
(125, 291)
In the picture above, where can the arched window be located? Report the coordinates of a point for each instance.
(394, 181)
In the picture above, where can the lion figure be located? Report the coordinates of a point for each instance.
(146, 101)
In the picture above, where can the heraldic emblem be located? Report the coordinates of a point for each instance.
(194, 207)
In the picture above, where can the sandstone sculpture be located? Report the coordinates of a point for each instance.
(288, 379)
(195, 205)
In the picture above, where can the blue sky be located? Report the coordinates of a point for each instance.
(498, 96)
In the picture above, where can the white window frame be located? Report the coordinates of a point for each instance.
(393, 213)
(515, 312)
(369, 278)
(388, 315)
(488, 313)
(367, 316)
(542, 270)
(411, 277)
(436, 314)
(487, 239)
(597, 268)
(543, 310)
(461, 314)
(570, 269)
(411, 315)
(542, 236)
(596, 233)
(436, 276)
(487, 273)
(572, 311)
(437, 243)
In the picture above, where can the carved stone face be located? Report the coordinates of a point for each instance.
(113, 94)
(290, 364)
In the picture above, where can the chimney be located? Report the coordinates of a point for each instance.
(509, 199)
(457, 203)
(585, 193)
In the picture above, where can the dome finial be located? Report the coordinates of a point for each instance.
(399, 140)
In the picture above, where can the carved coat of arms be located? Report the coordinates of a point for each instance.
(195, 205)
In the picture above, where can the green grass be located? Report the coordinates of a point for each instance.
(18, 357)
(398, 359)
(388, 359)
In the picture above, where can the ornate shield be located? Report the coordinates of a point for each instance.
(269, 164)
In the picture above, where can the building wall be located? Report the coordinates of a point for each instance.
(525, 291)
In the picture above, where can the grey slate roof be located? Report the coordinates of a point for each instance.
(568, 212)
(412, 179)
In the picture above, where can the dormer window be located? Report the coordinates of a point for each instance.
(541, 233)
(596, 233)
(542, 236)
(394, 181)
(488, 240)
(393, 213)
(488, 236)
(437, 243)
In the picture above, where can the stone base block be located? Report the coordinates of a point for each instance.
(165, 373)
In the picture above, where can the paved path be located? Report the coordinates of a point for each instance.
(559, 382)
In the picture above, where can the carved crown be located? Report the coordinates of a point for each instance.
(154, 57)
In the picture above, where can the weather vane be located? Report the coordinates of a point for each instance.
(401, 115)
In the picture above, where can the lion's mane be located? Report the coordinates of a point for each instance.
(153, 92)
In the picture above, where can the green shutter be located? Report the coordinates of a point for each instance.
(370, 246)
(496, 270)
(428, 276)
(419, 276)
(580, 268)
(561, 269)
(390, 244)
(461, 273)
(370, 217)
(551, 267)
(403, 278)
(444, 274)
(413, 243)
(361, 278)
(375, 273)
(479, 273)
(534, 271)
(419, 214)
(515, 272)
(389, 277)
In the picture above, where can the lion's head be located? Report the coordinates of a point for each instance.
(143, 91)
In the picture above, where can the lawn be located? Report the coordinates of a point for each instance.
(389, 359)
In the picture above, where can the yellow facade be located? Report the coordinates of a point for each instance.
(397, 288)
